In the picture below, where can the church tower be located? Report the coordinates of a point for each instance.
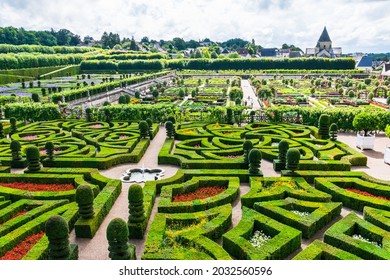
(324, 42)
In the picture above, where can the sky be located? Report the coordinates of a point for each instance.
(354, 25)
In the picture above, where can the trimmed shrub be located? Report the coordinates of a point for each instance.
(247, 147)
(229, 116)
(366, 121)
(172, 119)
(170, 129)
(333, 131)
(57, 232)
(143, 129)
(122, 99)
(292, 159)
(15, 150)
(150, 124)
(49, 146)
(118, 235)
(322, 251)
(88, 114)
(1, 131)
(137, 218)
(12, 122)
(280, 163)
(84, 199)
(323, 126)
(35, 97)
(254, 159)
(33, 158)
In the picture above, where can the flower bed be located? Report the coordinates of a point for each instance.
(367, 194)
(200, 193)
(20, 250)
(38, 187)
(259, 238)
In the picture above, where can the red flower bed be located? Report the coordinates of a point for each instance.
(22, 248)
(200, 193)
(367, 194)
(38, 187)
(21, 213)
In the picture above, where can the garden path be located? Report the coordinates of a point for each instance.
(249, 95)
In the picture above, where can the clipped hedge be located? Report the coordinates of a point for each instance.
(284, 239)
(321, 213)
(322, 251)
(188, 236)
(340, 236)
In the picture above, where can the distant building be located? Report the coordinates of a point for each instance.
(296, 54)
(365, 63)
(386, 70)
(269, 52)
(324, 47)
(243, 52)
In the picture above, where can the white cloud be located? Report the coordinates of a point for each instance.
(361, 25)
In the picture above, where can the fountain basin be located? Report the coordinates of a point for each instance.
(141, 175)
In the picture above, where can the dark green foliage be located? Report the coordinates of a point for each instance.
(107, 112)
(88, 114)
(117, 236)
(333, 131)
(1, 131)
(127, 98)
(12, 122)
(122, 100)
(150, 124)
(170, 129)
(15, 149)
(35, 97)
(136, 206)
(57, 232)
(247, 146)
(143, 129)
(366, 121)
(283, 148)
(33, 158)
(323, 126)
(229, 116)
(106, 103)
(172, 119)
(254, 159)
(292, 159)
(84, 199)
(49, 146)
(252, 115)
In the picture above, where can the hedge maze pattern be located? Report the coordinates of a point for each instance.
(25, 212)
(80, 144)
(221, 146)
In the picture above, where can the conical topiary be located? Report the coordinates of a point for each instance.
(254, 158)
(292, 159)
(118, 235)
(57, 232)
(333, 131)
(33, 158)
(84, 199)
(247, 146)
(143, 129)
(323, 126)
(283, 148)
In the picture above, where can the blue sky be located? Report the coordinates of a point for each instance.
(355, 25)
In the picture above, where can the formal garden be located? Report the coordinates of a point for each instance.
(216, 178)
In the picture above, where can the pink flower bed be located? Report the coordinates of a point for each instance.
(98, 125)
(44, 152)
(30, 137)
(123, 136)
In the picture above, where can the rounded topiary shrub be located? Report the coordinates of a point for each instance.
(84, 199)
(122, 99)
(1, 131)
(118, 235)
(150, 124)
(283, 148)
(254, 159)
(170, 129)
(247, 146)
(15, 150)
(171, 119)
(252, 115)
(12, 122)
(88, 114)
(333, 131)
(33, 158)
(57, 232)
(136, 204)
(49, 147)
(143, 129)
(323, 126)
(292, 159)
